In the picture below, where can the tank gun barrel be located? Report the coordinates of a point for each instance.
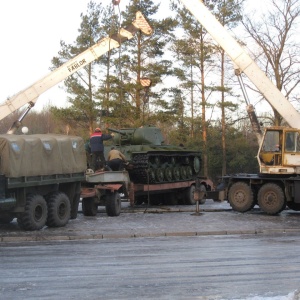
(116, 131)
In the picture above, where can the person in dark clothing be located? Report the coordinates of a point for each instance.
(97, 148)
(116, 160)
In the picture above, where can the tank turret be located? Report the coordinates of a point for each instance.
(147, 135)
(153, 161)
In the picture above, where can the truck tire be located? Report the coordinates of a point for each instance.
(59, 209)
(240, 197)
(35, 215)
(271, 199)
(89, 207)
(113, 204)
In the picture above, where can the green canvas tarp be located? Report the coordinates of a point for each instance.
(41, 154)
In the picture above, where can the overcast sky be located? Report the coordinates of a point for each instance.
(31, 31)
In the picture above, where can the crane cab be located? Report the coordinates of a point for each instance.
(279, 152)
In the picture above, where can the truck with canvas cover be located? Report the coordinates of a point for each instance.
(40, 179)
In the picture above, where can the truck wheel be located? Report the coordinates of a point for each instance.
(271, 199)
(189, 195)
(240, 197)
(59, 209)
(89, 207)
(35, 215)
(113, 204)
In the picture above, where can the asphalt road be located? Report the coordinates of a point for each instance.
(156, 253)
(203, 267)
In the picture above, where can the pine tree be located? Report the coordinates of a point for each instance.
(144, 58)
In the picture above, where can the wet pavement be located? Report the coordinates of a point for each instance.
(214, 218)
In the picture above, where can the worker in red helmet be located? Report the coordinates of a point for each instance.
(97, 148)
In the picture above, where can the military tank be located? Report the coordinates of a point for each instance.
(151, 160)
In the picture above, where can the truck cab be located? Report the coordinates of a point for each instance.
(279, 152)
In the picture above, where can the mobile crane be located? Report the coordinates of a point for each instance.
(41, 174)
(278, 183)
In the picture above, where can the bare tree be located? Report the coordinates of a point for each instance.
(275, 34)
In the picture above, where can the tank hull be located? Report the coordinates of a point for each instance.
(159, 164)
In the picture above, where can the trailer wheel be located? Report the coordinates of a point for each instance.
(59, 209)
(271, 199)
(189, 195)
(35, 215)
(240, 197)
(113, 204)
(89, 207)
(202, 189)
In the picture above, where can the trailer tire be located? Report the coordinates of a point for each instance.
(113, 204)
(240, 197)
(36, 212)
(89, 207)
(202, 189)
(59, 209)
(271, 199)
(189, 195)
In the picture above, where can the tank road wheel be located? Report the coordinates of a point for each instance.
(59, 209)
(113, 204)
(189, 195)
(183, 174)
(159, 175)
(176, 173)
(271, 199)
(89, 207)
(189, 172)
(168, 174)
(35, 215)
(240, 197)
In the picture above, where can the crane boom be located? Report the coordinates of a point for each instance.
(244, 62)
(31, 94)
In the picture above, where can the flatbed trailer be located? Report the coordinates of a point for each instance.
(105, 189)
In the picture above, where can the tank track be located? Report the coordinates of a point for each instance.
(151, 168)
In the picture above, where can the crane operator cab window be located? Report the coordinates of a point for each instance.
(271, 149)
(292, 141)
